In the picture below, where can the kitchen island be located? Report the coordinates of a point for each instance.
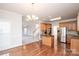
(48, 40)
(75, 44)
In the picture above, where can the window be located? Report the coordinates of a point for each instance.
(4, 27)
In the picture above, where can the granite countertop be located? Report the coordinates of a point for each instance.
(48, 35)
(74, 36)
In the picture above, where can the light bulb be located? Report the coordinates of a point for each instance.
(33, 16)
(36, 18)
(28, 16)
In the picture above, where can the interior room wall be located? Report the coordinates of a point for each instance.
(30, 37)
(54, 23)
(13, 36)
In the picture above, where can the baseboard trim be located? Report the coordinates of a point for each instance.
(31, 43)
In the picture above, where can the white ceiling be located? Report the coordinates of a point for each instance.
(65, 10)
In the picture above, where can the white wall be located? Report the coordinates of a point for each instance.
(30, 37)
(12, 38)
(55, 23)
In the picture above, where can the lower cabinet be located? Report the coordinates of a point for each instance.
(75, 45)
(78, 22)
(69, 39)
(48, 41)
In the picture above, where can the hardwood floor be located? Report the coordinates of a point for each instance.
(37, 49)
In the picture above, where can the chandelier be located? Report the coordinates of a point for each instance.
(32, 17)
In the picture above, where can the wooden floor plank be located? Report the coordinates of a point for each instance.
(37, 49)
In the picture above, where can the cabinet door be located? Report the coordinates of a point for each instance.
(68, 39)
(43, 27)
(74, 26)
(78, 23)
(61, 24)
(74, 45)
(69, 25)
(48, 41)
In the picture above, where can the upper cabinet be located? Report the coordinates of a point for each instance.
(45, 28)
(78, 22)
(71, 25)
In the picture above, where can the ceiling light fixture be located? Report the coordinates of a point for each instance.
(32, 17)
(57, 18)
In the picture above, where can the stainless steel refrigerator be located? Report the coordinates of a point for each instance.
(63, 34)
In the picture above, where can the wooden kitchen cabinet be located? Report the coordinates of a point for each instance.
(48, 26)
(48, 41)
(69, 39)
(74, 26)
(74, 45)
(45, 26)
(69, 25)
(78, 22)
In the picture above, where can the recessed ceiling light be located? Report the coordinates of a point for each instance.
(57, 18)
